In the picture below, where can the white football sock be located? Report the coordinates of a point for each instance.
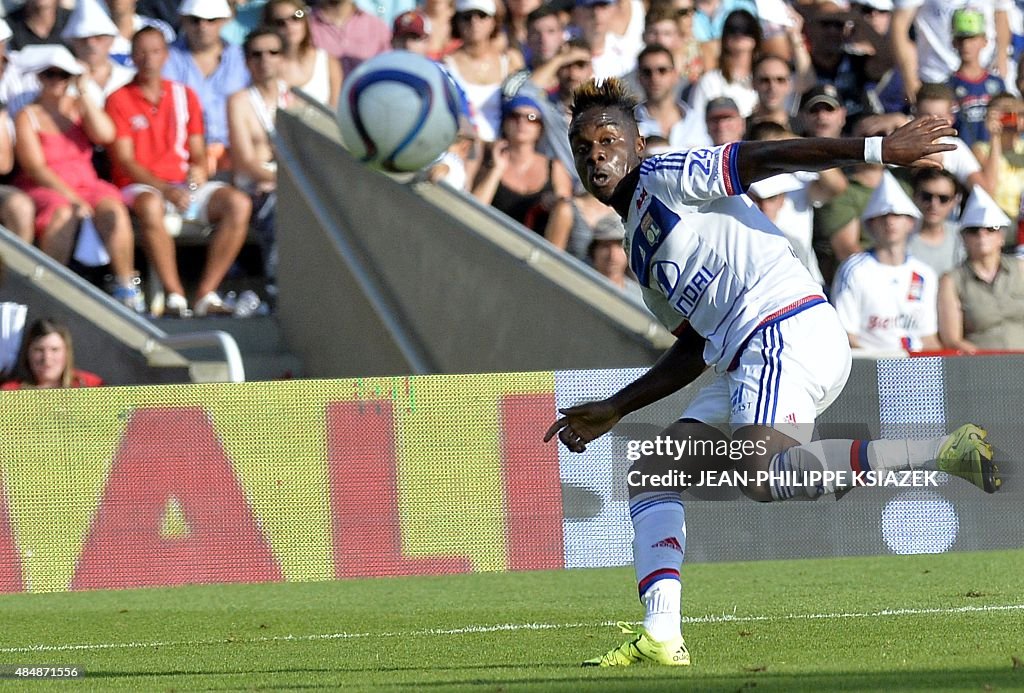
(846, 456)
(659, 542)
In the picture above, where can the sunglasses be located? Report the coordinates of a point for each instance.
(256, 55)
(833, 24)
(520, 116)
(974, 230)
(470, 15)
(928, 197)
(660, 70)
(296, 16)
(51, 73)
(200, 20)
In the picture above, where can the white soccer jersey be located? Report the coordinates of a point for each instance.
(706, 255)
(887, 307)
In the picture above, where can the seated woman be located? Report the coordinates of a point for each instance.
(307, 67)
(55, 137)
(533, 189)
(47, 360)
(981, 302)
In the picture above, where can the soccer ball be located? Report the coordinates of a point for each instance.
(398, 111)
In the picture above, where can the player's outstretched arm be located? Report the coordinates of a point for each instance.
(677, 368)
(913, 144)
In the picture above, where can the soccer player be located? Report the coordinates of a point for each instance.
(716, 272)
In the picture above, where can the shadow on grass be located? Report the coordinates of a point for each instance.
(583, 679)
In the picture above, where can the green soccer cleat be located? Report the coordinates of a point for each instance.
(968, 455)
(643, 650)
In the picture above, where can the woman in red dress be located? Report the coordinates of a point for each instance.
(55, 138)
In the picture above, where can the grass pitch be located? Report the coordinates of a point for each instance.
(945, 622)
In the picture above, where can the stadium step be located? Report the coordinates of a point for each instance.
(260, 341)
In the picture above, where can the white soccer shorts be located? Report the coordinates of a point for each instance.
(788, 373)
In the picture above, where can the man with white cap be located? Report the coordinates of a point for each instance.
(981, 302)
(159, 158)
(346, 32)
(213, 68)
(91, 33)
(886, 299)
(17, 212)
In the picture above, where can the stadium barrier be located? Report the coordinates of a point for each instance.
(325, 479)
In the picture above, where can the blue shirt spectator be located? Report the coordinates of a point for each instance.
(214, 89)
(972, 97)
(709, 27)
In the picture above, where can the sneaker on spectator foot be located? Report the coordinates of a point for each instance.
(211, 305)
(175, 306)
(130, 296)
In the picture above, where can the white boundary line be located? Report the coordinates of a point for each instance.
(505, 627)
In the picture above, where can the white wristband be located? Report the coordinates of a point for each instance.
(873, 150)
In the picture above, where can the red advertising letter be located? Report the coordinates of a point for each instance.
(533, 485)
(10, 559)
(364, 496)
(171, 458)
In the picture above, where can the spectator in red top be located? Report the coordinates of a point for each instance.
(158, 159)
(47, 360)
(348, 33)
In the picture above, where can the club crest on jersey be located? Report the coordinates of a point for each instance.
(649, 228)
(916, 289)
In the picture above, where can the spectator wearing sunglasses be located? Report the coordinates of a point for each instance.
(661, 113)
(213, 68)
(690, 59)
(55, 138)
(481, 64)
(981, 301)
(937, 241)
(311, 69)
(533, 189)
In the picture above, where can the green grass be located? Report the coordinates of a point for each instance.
(234, 637)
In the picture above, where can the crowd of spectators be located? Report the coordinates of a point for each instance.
(176, 103)
(714, 71)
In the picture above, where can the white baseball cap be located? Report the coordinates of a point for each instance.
(38, 58)
(486, 6)
(205, 9)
